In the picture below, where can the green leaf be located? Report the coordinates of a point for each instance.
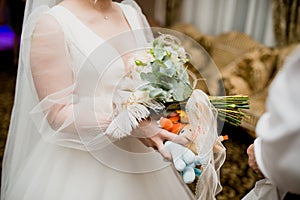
(184, 77)
(146, 87)
(155, 42)
(157, 92)
(169, 63)
(140, 63)
(148, 77)
(164, 84)
(159, 53)
(181, 90)
(156, 65)
(169, 72)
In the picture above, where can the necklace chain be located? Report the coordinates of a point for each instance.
(94, 3)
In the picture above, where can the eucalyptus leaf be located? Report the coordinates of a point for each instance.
(146, 87)
(170, 72)
(158, 53)
(156, 65)
(155, 42)
(157, 92)
(182, 90)
(149, 77)
(165, 85)
(183, 75)
(169, 63)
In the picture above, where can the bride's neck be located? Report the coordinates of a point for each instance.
(102, 4)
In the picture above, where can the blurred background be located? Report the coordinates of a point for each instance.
(247, 39)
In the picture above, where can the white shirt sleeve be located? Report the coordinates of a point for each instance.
(277, 148)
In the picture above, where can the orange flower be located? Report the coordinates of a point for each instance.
(166, 123)
(177, 127)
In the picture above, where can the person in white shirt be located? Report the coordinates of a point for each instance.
(275, 153)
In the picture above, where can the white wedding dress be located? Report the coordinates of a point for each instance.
(46, 161)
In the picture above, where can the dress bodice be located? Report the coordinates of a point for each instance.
(96, 63)
(81, 35)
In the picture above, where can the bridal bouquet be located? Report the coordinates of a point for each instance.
(160, 82)
(167, 80)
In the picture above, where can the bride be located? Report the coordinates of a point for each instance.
(56, 148)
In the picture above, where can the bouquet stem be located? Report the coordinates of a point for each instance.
(229, 107)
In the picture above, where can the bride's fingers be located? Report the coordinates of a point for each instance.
(181, 140)
(163, 151)
(174, 138)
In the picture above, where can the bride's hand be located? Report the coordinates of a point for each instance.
(151, 135)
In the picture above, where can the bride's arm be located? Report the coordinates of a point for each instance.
(51, 71)
(59, 116)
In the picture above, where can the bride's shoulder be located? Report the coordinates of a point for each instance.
(52, 19)
(133, 12)
(47, 23)
(131, 5)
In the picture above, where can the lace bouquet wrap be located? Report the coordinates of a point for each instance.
(159, 83)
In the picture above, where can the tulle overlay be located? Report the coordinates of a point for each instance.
(203, 120)
(57, 147)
